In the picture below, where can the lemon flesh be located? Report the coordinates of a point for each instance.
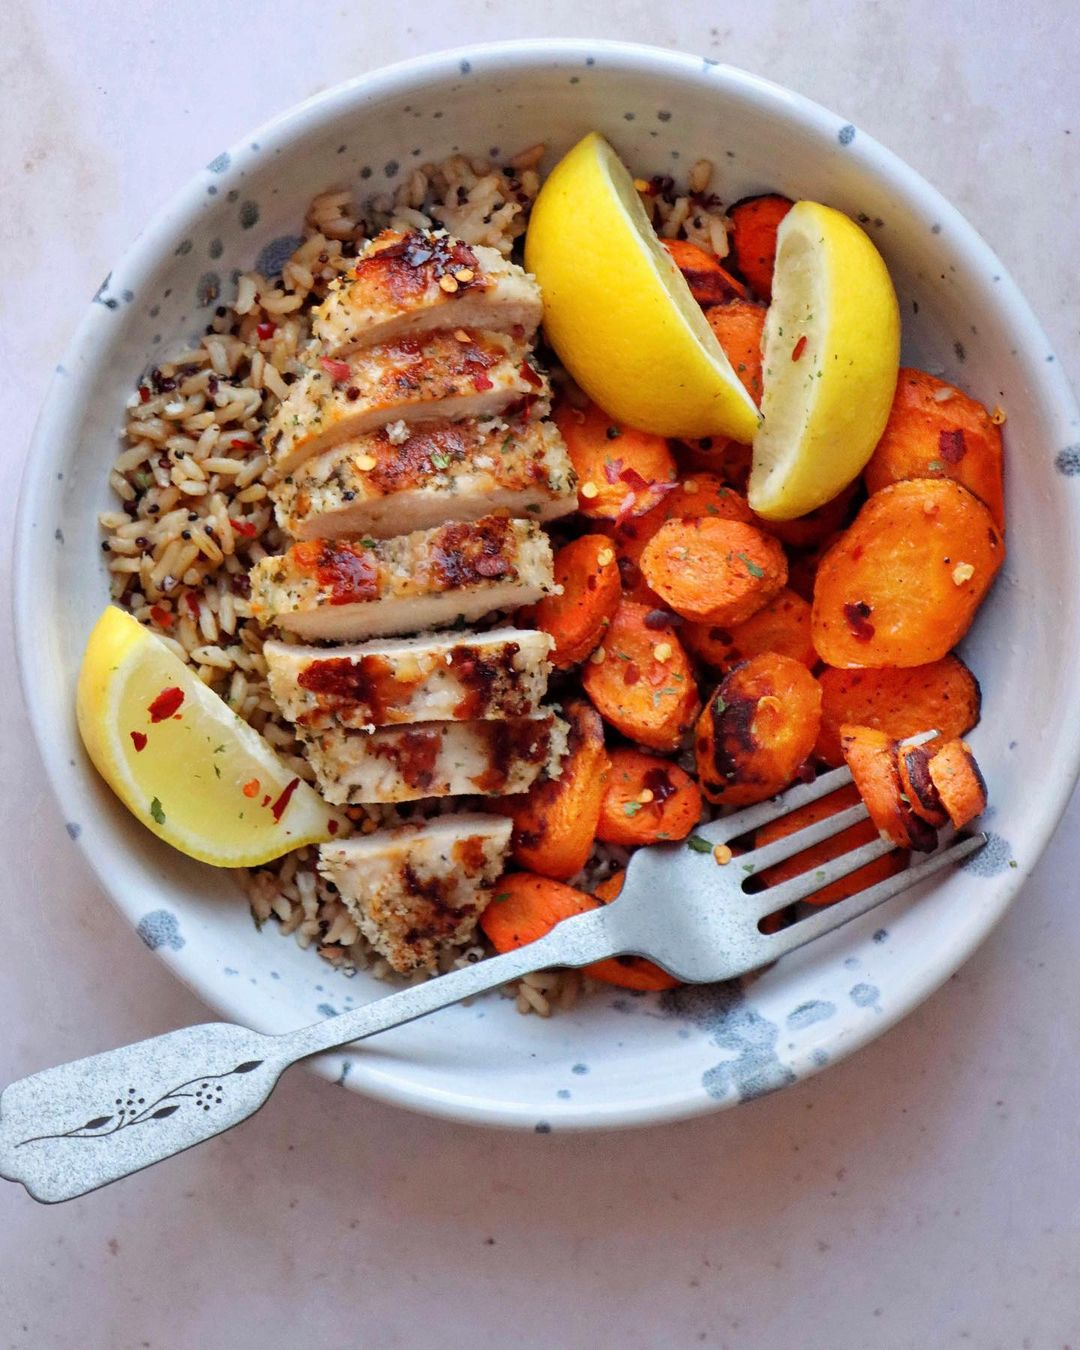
(181, 760)
(619, 312)
(831, 356)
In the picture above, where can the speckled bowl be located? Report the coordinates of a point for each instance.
(617, 1059)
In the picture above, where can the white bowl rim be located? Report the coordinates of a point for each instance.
(1047, 378)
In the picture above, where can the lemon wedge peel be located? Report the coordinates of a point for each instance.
(617, 310)
(825, 403)
(199, 777)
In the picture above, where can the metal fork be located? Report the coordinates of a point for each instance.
(68, 1130)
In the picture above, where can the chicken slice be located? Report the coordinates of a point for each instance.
(398, 479)
(447, 678)
(420, 379)
(418, 888)
(434, 759)
(405, 283)
(348, 589)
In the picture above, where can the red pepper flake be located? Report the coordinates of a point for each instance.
(239, 443)
(332, 826)
(244, 527)
(530, 376)
(166, 703)
(632, 478)
(657, 674)
(951, 446)
(144, 393)
(192, 602)
(265, 330)
(338, 371)
(857, 615)
(278, 808)
(164, 618)
(266, 800)
(799, 348)
(251, 787)
(482, 382)
(138, 740)
(632, 673)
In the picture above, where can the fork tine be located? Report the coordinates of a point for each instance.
(825, 920)
(807, 837)
(730, 827)
(806, 883)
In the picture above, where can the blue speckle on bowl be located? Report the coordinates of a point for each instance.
(707, 62)
(465, 67)
(220, 162)
(59, 536)
(346, 1069)
(820, 1058)
(864, 995)
(732, 1024)
(882, 935)
(542, 1127)
(127, 296)
(212, 190)
(852, 962)
(275, 974)
(563, 1093)
(590, 60)
(73, 828)
(274, 255)
(208, 289)
(215, 248)
(846, 134)
(229, 970)
(935, 228)
(579, 1068)
(326, 1010)
(995, 857)
(806, 1014)
(160, 928)
(249, 215)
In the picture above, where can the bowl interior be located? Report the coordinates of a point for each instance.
(617, 1058)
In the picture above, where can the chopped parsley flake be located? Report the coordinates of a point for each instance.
(157, 812)
(751, 566)
(631, 808)
(698, 845)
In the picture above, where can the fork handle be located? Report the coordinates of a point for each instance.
(575, 942)
(69, 1129)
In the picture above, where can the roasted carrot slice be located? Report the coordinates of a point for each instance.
(781, 625)
(618, 468)
(714, 571)
(647, 800)
(710, 284)
(641, 680)
(901, 586)
(729, 460)
(810, 859)
(935, 431)
(753, 239)
(913, 764)
(698, 496)
(555, 821)
(628, 972)
(809, 531)
(871, 757)
(757, 730)
(738, 326)
(524, 907)
(587, 572)
(942, 696)
(959, 782)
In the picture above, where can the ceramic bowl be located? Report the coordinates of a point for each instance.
(617, 1059)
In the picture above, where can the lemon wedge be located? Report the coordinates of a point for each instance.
(181, 760)
(831, 356)
(618, 311)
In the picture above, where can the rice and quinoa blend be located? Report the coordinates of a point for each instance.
(194, 512)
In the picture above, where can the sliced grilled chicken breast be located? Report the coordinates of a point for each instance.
(434, 759)
(346, 589)
(414, 282)
(420, 887)
(387, 483)
(427, 378)
(447, 678)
